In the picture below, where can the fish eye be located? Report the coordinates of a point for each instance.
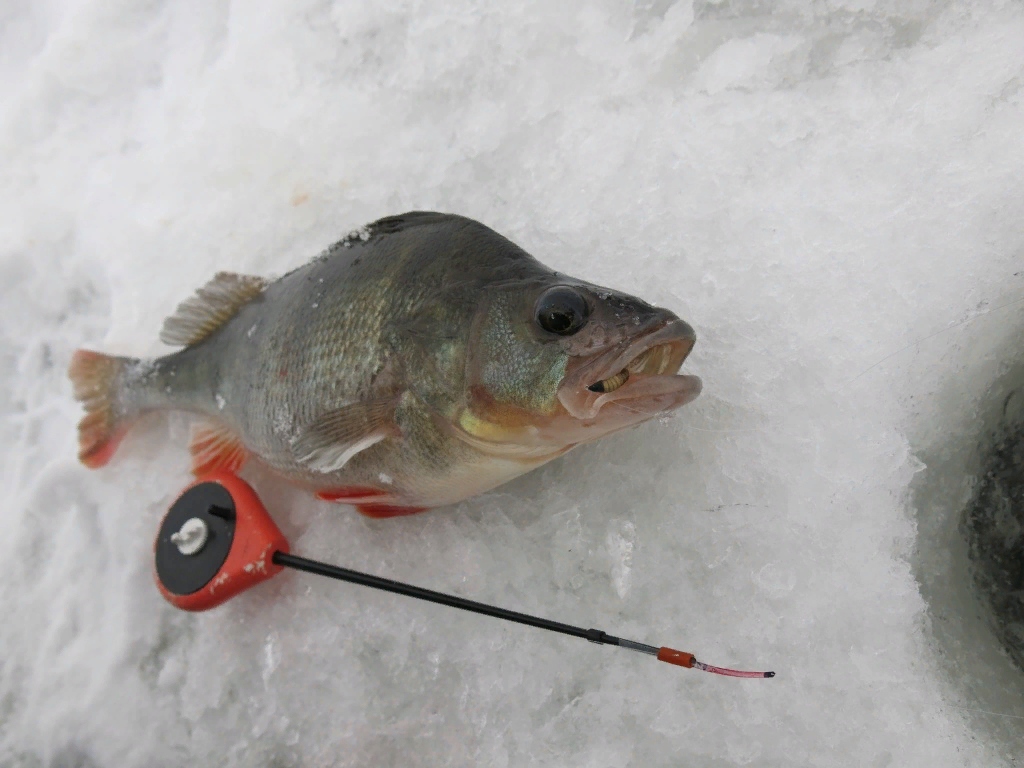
(561, 310)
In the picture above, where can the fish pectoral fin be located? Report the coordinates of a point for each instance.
(212, 305)
(327, 444)
(215, 448)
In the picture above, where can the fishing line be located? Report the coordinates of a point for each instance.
(947, 329)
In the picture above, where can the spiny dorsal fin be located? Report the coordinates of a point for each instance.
(212, 306)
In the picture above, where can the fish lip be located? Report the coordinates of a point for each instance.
(672, 389)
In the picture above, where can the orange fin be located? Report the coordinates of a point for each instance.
(95, 378)
(351, 494)
(103, 451)
(215, 448)
(387, 510)
(371, 502)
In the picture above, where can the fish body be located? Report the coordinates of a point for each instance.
(419, 361)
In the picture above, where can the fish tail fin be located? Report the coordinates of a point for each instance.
(96, 379)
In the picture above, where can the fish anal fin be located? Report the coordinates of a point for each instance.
(212, 305)
(215, 448)
(381, 511)
(329, 443)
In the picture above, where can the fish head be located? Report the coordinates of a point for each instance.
(553, 362)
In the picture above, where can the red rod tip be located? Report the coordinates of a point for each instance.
(684, 659)
(730, 672)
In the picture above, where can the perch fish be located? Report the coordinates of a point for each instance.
(419, 361)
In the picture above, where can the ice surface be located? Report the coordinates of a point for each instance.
(832, 194)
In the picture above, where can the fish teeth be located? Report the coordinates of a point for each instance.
(637, 364)
(651, 361)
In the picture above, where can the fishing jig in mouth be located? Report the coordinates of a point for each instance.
(612, 383)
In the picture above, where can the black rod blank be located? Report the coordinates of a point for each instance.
(669, 655)
(378, 582)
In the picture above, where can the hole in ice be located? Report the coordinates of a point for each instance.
(969, 562)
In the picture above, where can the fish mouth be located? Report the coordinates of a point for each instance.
(640, 375)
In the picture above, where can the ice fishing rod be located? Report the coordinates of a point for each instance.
(217, 540)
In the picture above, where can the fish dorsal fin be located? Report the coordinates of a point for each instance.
(328, 443)
(211, 306)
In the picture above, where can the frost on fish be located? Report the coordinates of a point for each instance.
(283, 424)
(140, 370)
(360, 235)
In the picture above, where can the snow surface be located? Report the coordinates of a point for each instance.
(831, 193)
